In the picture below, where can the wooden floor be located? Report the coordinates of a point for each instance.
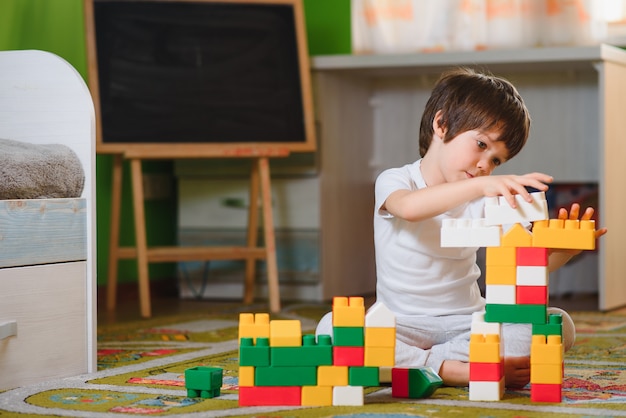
(165, 302)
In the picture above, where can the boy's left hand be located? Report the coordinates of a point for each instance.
(575, 212)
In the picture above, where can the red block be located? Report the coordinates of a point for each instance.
(399, 382)
(270, 396)
(545, 392)
(486, 372)
(531, 256)
(531, 295)
(348, 356)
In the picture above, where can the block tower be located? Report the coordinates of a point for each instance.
(517, 287)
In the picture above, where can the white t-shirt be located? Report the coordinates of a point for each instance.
(415, 275)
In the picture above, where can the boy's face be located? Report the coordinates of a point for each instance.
(472, 154)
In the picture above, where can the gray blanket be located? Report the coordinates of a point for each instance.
(31, 171)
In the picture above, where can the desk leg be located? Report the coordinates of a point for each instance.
(270, 239)
(253, 228)
(114, 233)
(140, 238)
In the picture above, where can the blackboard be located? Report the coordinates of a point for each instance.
(193, 78)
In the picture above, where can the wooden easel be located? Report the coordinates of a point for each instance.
(259, 184)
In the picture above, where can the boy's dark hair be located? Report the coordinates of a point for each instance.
(471, 100)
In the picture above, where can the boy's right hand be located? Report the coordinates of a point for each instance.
(509, 185)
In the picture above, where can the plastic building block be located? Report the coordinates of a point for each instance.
(332, 375)
(348, 336)
(270, 396)
(486, 372)
(285, 333)
(348, 312)
(469, 233)
(565, 233)
(285, 376)
(379, 356)
(400, 382)
(317, 395)
(546, 373)
(204, 382)
(546, 392)
(485, 348)
(309, 354)
(554, 326)
(348, 396)
(379, 316)
(348, 356)
(532, 256)
(363, 376)
(532, 295)
(532, 276)
(500, 293)
(517, 236)
(479, 326)
(486, 391)
(517, 314)
(546, 350)
(501, 275)
(384, 374)
(414, 383)
(254, 325)
(246, 376)
(500, 256)
(380, 337)
(254, 355)
(499, 212)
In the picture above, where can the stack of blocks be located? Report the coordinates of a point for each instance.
(517, 289)
(280, 366)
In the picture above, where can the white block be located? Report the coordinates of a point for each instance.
(499, 212)
(384, 374)
(479, 326)
(532, 276)
(469, 233)
(503, 294)
(348, 396)
(486, 391)
(379, 316)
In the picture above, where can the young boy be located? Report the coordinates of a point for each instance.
(472, 123)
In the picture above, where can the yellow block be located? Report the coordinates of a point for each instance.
(484, 349)
(546, 373)
(246, 376)
(517, 236)
(550, 352)
(317, 396)
(379, 356)
(500, 256)
(501, 274)
(348, 312)
(380, 337)
(332, 376)
(565, 234)
(285, 333)
(254, 325)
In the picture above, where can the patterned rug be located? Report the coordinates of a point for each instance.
(141, 368)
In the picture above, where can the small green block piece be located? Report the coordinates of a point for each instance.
(516, 314)
(285, 376)
(204, 382)
(348, 336)
(363, 376)
(309, 354)
(423, 382)
(254, 355)
(553, 327)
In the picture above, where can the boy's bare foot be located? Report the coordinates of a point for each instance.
(516, 371)
(454, 373)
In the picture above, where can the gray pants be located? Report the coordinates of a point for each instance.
(428, 341)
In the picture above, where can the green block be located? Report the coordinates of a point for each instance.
(309, 354)
(348, 337)
(516, 314)
(254, 355)
(363, 376)
(553, 327)
(204, 382)
(423, 382)
(285, 376)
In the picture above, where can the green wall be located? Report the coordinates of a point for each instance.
(57, 26)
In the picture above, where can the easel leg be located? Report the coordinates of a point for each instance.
(114, 232)
(270, 239)
(140, 238)
(253, 228)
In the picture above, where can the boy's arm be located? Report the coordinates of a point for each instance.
(558, 257)
(417, 205)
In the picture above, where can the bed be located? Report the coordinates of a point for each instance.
(47, 240)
